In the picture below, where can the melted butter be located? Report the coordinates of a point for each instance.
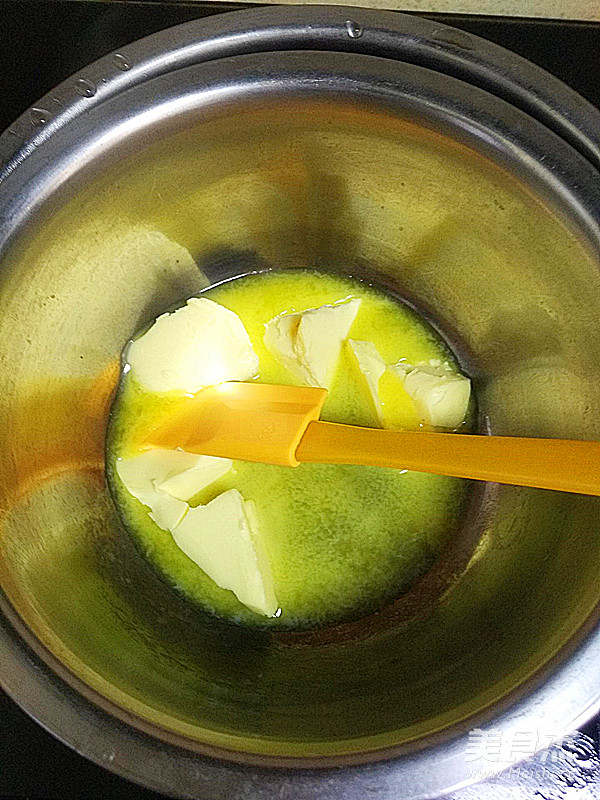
(342, 540)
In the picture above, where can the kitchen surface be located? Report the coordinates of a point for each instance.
(42, 43)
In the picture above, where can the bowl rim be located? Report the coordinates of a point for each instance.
(394, 35)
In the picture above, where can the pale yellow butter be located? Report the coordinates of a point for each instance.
(142, 473)
(309, 343)
(166, 511)
(185, 485)
(198, 345)
(161, 479)
(221, 538)
(441, 395)
(371, 366)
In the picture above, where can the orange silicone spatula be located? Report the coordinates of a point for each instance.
(280, 425)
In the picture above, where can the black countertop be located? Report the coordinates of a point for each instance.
(41, 44)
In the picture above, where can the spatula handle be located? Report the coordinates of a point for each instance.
(562, 464)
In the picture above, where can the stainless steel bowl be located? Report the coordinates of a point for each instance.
(397, 149)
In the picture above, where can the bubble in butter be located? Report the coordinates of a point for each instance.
(341, 541)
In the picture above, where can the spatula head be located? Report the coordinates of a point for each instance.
(246, 421)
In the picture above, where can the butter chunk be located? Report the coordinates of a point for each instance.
(440, 394)
(160, 479)
(166, 511)
(280, 337)
(140, 475)
(186, 485)
(371, 366)
(222, 539)
(200, 344)
(309, 343)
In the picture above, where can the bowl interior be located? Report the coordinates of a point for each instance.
(332, 185)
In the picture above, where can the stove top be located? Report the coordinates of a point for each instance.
(42, 43)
